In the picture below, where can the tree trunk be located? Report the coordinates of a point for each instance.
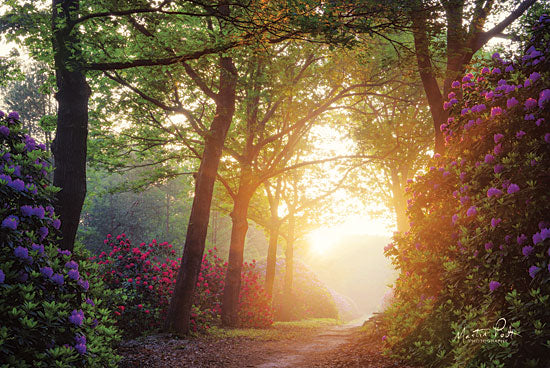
(429, 81)
(230, 300)
(399, 202)
(70, 143)
(167, 215)
(289, 258)
(177, 319)
(271, 263)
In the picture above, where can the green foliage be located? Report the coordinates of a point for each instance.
(51, 314)
(474, 281)
(122, 202)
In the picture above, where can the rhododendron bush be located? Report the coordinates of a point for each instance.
(474, 268)
(474, 276)
(146, 274)
(50, 301)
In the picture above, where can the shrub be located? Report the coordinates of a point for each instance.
(477, 255)
(146, 273)
(310, 298)
(50, 312)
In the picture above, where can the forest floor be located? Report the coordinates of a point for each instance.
(316, 343)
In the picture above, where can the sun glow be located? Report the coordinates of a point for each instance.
(323, 240)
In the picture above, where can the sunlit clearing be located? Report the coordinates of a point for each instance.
(322, 241)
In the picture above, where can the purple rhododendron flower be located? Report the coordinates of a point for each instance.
(493, 285)
(544, 97)
(21, 253)
(521, 239)
(14, 115)
(77, 317)
(512, 188)
(494, 192)
(488, 245)
(489, 158)
(90, 301)
(38, 247)
(73, 274)
(39, 212)
(485, 70)
(547, 137)
(43, 232)
(46, 272)
(537, 238)
(527, 250)
(497, 137)
(84, 284)
(533, 270)
(520, 134)
(529, 117)
(530, 103)
(2, 276)
(498, 149)
(511, 102)
(17, 184)
(455, 84)
(4, 130)
(496, 71)
(489, 95)
(472, 211)
(495, 222)
(443, 127)
(509, 68)
(80, 345)
(534, 76)
(56, 223)
(26, 210)
(71, 265)
(545, 233)
(58, 279)
(64, 252)
(10, 222)
(497, 110)
(496, 55)
(498, 168)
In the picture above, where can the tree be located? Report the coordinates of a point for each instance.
(464, 22)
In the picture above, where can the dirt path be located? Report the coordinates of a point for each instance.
(298, 354)
(323, 347)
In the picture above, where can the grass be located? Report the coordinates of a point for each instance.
(279, 330)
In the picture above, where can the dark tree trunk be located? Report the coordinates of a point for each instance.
(429, 81)
(177, 319)
(69, 145)
(230, 301)
(271, 264)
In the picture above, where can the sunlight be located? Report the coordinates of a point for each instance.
(322, 241)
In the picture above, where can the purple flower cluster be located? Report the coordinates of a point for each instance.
(493, 285)
(80, 344)
(77, 317)
(10, 222)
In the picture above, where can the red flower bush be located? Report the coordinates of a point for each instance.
(146, 275)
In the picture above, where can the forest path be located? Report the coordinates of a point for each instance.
(280, 347)
(301, 353)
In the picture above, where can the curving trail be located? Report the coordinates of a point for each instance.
(322, 347)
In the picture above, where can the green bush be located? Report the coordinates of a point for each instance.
(51, 313)
(474, 287)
